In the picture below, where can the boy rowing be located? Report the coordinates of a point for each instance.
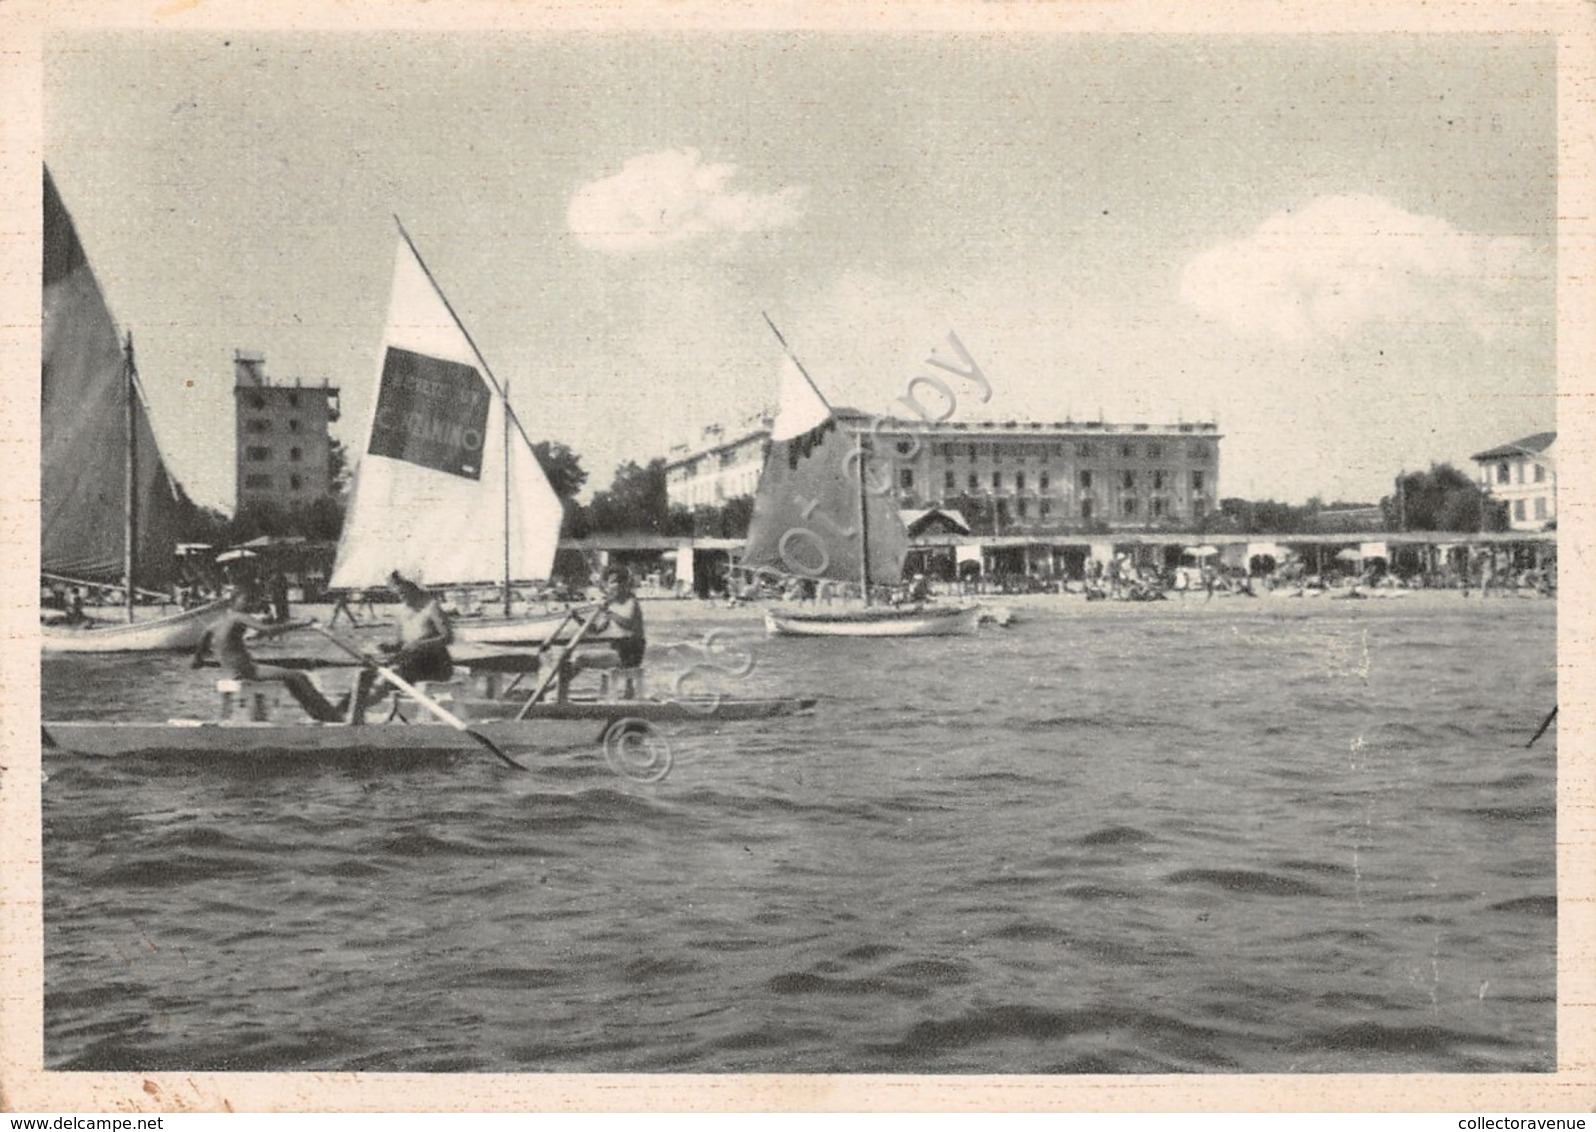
(226, 638)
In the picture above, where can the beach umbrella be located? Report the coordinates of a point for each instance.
(1350, 554)
(234, 555)
(1202, 551)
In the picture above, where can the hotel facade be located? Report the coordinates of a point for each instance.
(1023, 476)
(283, 447)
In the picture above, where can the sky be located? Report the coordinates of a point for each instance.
(1339, 248)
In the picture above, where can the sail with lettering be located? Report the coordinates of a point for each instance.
(448, 490)
(89, 397)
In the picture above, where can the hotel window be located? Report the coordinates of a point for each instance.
(1086, 479)
(1540, 474)
(258, 426)
(258, 454)
(1086, 508)
(1155, 451)
(906, 478)
(1127, 451)
(1042, 483)
(1023, 507)
(948, 480)
(1085, 450)
(1045, 508)
(997, 481)
(975, 482)
(1157, 508)
(293, 426)
(1197, 481)
(293, 400)
(1129, 506)
(1019, 481)
(295, 454)
(1540, 507)
(1158, 480)
(1518, 510)
(293, 483)
(1198, 451)
(1501, 472)
(258, 481)
(1127, 480)
(972, 451)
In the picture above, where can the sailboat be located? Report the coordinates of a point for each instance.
(817, 517)
(109, 509)
(443, 443)
(449, 491)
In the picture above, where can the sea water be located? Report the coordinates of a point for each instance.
(1265, 835)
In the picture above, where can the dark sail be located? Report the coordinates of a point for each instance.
(806, 520)
(83, 430)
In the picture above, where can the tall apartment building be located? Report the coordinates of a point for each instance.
(1523, 474)
(283, 447)
(1030, 475)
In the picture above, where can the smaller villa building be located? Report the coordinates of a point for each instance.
(1523, 475)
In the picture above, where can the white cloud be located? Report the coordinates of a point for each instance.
(1344, 262)
(658, 200)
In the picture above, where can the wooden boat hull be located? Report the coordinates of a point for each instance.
(928, 621)
(508, 631)
(176, 632)
(549, 726)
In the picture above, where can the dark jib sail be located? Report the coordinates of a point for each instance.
(86, 383)
(807, 520)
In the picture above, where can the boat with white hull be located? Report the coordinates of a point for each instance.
(174, 632)
(924, 621)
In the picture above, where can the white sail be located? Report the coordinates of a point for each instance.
(430, 490)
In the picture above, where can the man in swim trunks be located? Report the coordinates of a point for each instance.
(226, 637)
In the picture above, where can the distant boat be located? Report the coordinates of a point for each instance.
(109, 509)
(817, 517)
(448, 491)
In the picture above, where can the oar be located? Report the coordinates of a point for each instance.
(552, 637)
(554, 669)
(427, 702)
(1541, 730)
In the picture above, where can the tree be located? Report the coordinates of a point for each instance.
(562, 466)
(1441, 499)
(636, 501)
(338, 469)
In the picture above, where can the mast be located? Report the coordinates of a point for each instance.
(864, 525)
(129, 475)
(506, 496)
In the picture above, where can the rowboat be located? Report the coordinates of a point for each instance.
(177, 631)
(582, 722)
(635, 736)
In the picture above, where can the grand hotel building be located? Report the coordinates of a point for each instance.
(1028, 476)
